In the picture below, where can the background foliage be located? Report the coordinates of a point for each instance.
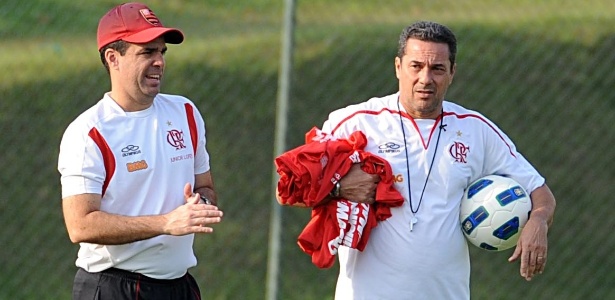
(541, 69)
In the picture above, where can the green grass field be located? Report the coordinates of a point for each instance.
(541, 69)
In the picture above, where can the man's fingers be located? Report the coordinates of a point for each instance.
(515, 254)
(187, 190)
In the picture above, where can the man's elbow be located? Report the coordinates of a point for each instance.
(78, 234)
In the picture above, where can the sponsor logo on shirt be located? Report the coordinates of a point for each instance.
(389, 147)
(130, 150)
(398, 178)
(136, 166)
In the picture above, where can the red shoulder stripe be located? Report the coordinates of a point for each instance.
(369, 112)
(191, 126)
(108, 157)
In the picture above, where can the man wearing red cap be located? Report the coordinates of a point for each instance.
(135, 172)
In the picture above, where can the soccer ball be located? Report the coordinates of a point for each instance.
(493, 211)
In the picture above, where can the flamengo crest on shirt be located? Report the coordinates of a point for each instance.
(175, 138)
(459, 151)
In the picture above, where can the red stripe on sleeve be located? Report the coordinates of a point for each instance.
(108, 158)
(192, 126)
(367, 112)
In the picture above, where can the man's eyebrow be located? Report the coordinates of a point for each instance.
(154, 48)
(434, 64)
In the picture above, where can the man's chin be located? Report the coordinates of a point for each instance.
(152, 92)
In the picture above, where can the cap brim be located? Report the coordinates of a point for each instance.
(171, 35)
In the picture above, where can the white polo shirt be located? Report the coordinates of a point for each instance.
(139, 162)
(432, 260)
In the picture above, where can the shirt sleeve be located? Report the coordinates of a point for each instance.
(201, 159)
(80, 163)
(502, 157)
(336, 125)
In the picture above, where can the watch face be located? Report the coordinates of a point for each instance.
(336, 190)
(205, 200)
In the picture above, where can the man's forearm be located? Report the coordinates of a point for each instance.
(543, 204)
(108, 229)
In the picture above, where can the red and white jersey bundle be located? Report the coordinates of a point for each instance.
(309, 172)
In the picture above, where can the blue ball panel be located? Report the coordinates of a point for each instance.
(474, 219)
(488, 247)
(507, 229)
(510, 195)
(477, 186)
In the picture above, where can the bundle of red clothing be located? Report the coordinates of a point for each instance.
(309, 172)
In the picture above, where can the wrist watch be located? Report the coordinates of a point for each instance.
(206, 200)
(335, 192)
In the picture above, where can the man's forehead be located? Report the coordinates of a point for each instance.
(427, 51)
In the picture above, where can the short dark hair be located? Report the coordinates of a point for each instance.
(429, 32)
(119, 46)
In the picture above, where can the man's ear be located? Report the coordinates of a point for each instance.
(111, 56)
(397, 66)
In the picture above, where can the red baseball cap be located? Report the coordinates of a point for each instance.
(134, 23)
